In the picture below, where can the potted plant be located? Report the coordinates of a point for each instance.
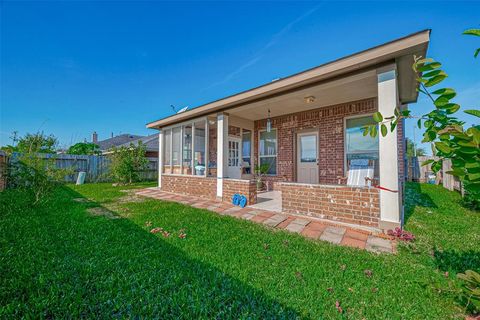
(260, 172)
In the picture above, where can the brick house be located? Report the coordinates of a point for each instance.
(306, 129)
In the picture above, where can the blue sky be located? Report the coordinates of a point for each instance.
(69, 68)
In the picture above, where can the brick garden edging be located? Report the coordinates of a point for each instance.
(309, 228)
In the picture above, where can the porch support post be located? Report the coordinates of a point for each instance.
(160, 158)
(222, 151)
(390, 211)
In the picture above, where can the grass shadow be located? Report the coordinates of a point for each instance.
(415, 197)
(99, 267)
(455, 261)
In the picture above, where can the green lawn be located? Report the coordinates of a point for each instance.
(60, 261)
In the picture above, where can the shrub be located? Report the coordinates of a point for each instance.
(35, 174)
(401, 234)
(471, 289)
(128, 162)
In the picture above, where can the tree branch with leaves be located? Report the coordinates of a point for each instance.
(449, 137)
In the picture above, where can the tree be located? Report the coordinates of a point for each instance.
(449, 138)
(33, 172)
(85, 148)
(412, 151)
(37, 142)
(128, 162)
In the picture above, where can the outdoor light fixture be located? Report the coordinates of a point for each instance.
(309, 99)
(269, 122)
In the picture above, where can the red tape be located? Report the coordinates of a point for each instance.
(386, 189)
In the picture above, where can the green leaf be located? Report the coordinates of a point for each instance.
(377, 116)
(429, 136)
(473, 112)
(443, 147)
(474, 176)
(452, 109)
(476, 52)
(424, 163)
(429, 66)
(472, 165)
(437, 166)
(474, 133)
(472, 32)
(431, 74)
(441, 101)
(444, 91)
(365, 130)
(435, 80)
(373, 131)
(383, 129)
(419, 123)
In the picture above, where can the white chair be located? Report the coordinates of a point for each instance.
(360, 173)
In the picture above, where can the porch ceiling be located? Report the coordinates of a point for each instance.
(356, 87)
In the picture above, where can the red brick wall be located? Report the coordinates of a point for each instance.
(329, 121)
(247, 188)
(190, 185)
(340, 203)
(207, 187)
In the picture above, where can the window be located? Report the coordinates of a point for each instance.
(176, 145)
(187, 150)
(246, 150)
(199, 152)
(268, 150)
(361, 148)
(308, 148)
(167, 147)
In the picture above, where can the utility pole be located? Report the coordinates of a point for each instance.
(14, 137)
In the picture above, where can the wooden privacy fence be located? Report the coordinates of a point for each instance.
(97, 168)
(3, 170)
(424, 174)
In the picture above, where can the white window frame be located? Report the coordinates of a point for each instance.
(345, 152)
(269, 156)
(251, 147)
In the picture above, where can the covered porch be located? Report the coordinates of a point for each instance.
(305, 132)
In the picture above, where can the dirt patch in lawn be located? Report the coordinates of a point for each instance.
(102, 212)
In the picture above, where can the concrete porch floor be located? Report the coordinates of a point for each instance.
(270, 201)
(309, 228)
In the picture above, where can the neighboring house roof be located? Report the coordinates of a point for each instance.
(117, 141)
(150, 142)
(400, 52)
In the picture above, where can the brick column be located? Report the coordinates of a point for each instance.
(390, 211)
(222, 151)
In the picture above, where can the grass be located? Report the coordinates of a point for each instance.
(60, 261)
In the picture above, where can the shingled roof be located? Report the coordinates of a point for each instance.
(150, 142)
(117, 141)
